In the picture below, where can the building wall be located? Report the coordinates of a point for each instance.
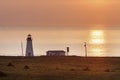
(55, 53)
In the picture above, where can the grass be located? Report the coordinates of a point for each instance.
(60, 68)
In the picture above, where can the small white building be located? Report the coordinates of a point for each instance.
(55, 53)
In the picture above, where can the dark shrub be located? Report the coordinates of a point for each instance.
(26, 67)
(10, 64)
(86, 69)
(72, 69)
(107, 70)
(2, 74)
(57, 68)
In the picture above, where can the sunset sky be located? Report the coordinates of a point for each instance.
(56, 24)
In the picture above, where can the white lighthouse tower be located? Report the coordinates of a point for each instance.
(29, 46)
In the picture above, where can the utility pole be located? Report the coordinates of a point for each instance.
(68, 50)
(85, 45)
(22, 49)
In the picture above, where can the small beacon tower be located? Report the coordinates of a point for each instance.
(29, 47)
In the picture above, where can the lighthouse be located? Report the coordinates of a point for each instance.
(29, 47)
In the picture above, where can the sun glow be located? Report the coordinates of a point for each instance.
(97, 51)
(97, 33)
(97, 41)
(97, 37)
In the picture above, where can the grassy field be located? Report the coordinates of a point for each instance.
(60, 68)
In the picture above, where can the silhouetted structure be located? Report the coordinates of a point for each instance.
(55, 53)
(85, 45)
(22, 49)
(29, 46)
(68, 50)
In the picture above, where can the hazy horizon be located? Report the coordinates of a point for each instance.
(58, 39)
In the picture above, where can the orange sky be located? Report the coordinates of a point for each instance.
(59, 12)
